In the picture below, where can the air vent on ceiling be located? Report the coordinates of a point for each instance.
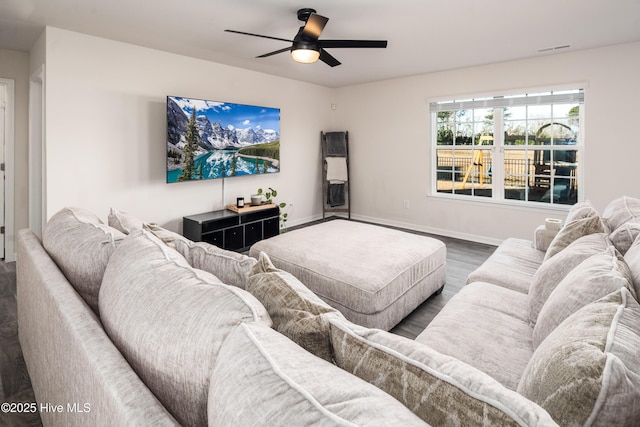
(552, 48)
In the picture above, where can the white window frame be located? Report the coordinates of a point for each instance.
(497, 150)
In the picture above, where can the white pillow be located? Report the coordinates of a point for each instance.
(170, 320)
(231, 267)
(81, 245)
(554, 270)
(573, 230)
(124, 221)
(592, 279)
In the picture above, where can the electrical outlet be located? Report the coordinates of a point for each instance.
(405, 204)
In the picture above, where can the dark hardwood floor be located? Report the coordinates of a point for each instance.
(15, 385)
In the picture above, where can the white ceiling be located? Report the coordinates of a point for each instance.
(424, 35)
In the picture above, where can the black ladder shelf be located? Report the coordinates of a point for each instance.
(336, 191)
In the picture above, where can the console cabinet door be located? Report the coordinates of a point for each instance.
(271, 227)
(233, 238)
(216, 238)
(252, 233)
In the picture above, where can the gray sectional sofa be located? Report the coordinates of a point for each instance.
(131, 324)
(537, 319)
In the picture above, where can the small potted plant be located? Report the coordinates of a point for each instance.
(269, 196)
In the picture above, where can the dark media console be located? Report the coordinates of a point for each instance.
(230, 230)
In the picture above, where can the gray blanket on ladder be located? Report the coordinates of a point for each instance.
(336, 147)
(336, 144)
(335, 195)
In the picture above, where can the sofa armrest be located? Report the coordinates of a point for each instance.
(545, 233)
(540, 240)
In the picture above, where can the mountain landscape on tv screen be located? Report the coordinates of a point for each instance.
(207, 139)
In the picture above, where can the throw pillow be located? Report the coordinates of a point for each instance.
(440, 389)
(622, 210)
(170, 320)
(167, 236)
(81, 245)
(592, 279)
(624, 236)
(231, 267)
(587, 372)
(264, 379)
(296, 311)
(580, 210)
(554, 270)
(123, 221)
(574, 230)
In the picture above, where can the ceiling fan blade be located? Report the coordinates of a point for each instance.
(258, 35)
(314, 26)
(328, 59)
(352, 43)
(275, 52)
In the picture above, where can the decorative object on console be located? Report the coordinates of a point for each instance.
(256, 199)
(269, 195)
(251, 208)
(240, 202)
(210, 139)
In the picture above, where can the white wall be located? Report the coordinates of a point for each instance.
(388, 125)
(105, 133)
(15, 66)
(106, 130)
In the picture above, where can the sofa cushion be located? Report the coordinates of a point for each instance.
(592, 279)
(295, 311)
(230, 267)
(486, 326)
(263, 378)
(573, 230)
(624, 236)
(81, 245)
(169, 321)
(622, 210)
(440, 389)
(512, 265)
(552, 271)
(580, 210)
(587, 372)
(123, 221)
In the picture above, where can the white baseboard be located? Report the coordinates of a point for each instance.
(409, 226)
(301, 221)
(430, 230)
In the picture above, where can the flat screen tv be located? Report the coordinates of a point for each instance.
(211, 139)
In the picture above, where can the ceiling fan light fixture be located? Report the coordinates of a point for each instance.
(305, 53)
(307, 48)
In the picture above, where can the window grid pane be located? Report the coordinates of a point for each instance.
(540, 158)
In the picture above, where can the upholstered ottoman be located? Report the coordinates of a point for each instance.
(374, 275)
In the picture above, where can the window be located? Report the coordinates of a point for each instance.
(523, 148)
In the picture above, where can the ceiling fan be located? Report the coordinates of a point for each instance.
(306, 46)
